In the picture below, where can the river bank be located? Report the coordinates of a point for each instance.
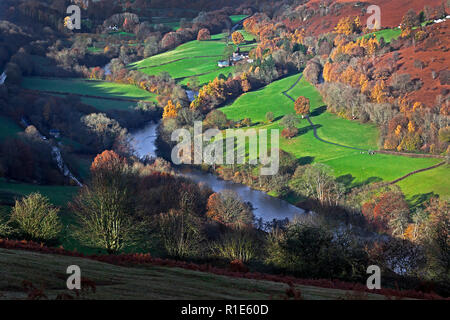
(266, 207)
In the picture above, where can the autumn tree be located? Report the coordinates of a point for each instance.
(289, 122)
(317, 182)
(180, 233)
(302, 106)
(237, 37)
(216, 119)
(409, 20)
(227, 208)
(204, 35)
(171, 110)
(348, 25)
(104, 208)
(436, 239)
(37, 218)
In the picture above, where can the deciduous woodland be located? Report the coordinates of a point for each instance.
(364, 145)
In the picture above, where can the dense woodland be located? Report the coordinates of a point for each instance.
(149, 208)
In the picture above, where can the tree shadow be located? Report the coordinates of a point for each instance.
(349, 181)
(305, 130)
(369, 181)
(418, 200)
(346, 180)
(303, 161)
(318, 111)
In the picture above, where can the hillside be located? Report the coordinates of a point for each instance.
(391, 12)
(351, 166)
(144, 282)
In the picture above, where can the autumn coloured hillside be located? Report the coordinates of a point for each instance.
(425, 61)
(320, 16)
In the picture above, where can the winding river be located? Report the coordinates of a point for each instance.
(265, 207)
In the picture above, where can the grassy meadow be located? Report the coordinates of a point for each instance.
(387, 34)
(192, 59)
(143, 282)
(351, 166)
(8, 128)
(88, 87)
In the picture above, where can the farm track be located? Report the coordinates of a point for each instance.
(285, 93)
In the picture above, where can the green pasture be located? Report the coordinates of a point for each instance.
(192, 59)
(58, 195)
(8, 128)
(392, 33)
(424, 184)
(237, 17)
(351, 166)
(88, 87)
(387, 34)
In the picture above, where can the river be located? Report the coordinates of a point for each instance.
(265, 207)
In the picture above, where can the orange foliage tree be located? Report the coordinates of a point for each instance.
(348, 25)
(237, 37)
(302, 106)
(171, 110)
(204, 35)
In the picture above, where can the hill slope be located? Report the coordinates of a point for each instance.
(149, 282)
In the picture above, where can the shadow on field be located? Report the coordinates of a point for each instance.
(303, 161)
(418, 199)
(348, 181)
(305, 130)
(318, 111)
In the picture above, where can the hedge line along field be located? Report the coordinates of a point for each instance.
(351, 166)
(88, 87)
(143, 282)
(418, 185)
(192, 59)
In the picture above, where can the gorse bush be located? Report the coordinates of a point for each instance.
(37, 218)
(180, 233)
(236, 245)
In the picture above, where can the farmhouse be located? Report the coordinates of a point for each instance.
(235, 58)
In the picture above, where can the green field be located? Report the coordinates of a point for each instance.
(192, 59)
(143, 282)
(58, 195)
(392, 33)
(387, 34)
(352, 167)
(238, 17)
(88, 87)
(8, 128)
(427, 183)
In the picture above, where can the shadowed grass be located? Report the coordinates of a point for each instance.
(144, 282)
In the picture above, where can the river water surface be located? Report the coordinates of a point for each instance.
(265, 206)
